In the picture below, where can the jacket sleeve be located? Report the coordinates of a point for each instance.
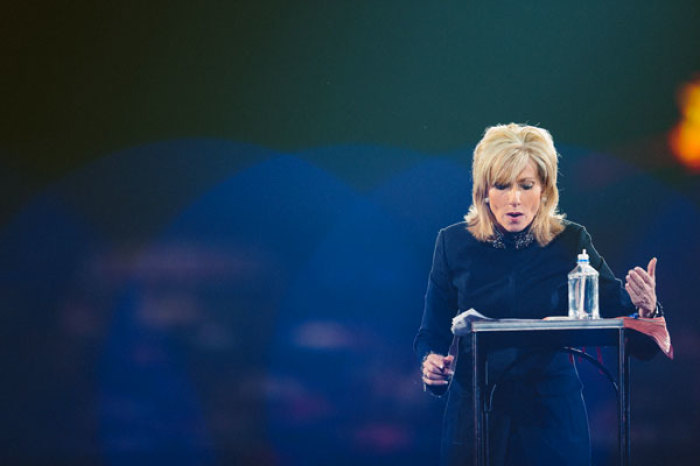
(614, 301)
(440, 306)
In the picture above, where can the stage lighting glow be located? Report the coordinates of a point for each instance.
(684, 139)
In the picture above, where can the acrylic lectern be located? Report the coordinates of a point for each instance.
(563, 335)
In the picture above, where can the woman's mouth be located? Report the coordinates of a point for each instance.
(514, 215)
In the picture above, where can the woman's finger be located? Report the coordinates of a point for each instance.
(651, 268)
(434, 379)
(436, 370)
(434, 362)
(638, 282)
(434, 365)
(640, 292)
(644, 275)
(634, 296)
(434, 382)
(645, 301)
(635, 284)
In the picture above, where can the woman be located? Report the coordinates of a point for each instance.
(509, 259)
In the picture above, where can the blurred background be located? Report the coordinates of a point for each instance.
(217, 218)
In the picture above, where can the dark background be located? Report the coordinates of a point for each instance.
(217, 219)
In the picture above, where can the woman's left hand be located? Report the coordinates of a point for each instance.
(641, 286)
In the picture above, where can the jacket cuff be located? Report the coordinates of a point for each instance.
(658, 312)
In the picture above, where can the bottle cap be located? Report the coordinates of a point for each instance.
(583, 257)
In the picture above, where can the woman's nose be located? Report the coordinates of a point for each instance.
(515, 196)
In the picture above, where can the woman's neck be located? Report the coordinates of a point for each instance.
(503, 239)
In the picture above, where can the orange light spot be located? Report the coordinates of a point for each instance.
(684, 139)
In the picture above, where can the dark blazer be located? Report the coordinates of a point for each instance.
(539, 416)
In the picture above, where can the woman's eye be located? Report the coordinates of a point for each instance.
(527, 186)
(500, 186)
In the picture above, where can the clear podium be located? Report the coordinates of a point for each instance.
(564, 335)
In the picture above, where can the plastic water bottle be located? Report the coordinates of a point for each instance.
(583, 290)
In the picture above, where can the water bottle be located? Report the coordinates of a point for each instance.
(583, 290)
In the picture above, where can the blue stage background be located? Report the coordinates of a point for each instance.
(269, 318)
(217, 221)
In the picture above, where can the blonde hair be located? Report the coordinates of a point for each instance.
(501, 155)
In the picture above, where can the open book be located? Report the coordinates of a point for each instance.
(654, 328)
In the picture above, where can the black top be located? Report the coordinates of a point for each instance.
(538, 416)
(512, 277)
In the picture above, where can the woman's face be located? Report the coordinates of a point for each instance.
(514, 205)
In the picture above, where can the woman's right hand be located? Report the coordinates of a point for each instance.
(437, 369)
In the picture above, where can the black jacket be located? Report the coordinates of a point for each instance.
(514, 282)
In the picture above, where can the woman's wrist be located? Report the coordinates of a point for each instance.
(657, 311)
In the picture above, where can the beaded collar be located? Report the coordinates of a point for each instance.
(507, 240)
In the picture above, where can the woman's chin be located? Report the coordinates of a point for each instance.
(514, 227)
